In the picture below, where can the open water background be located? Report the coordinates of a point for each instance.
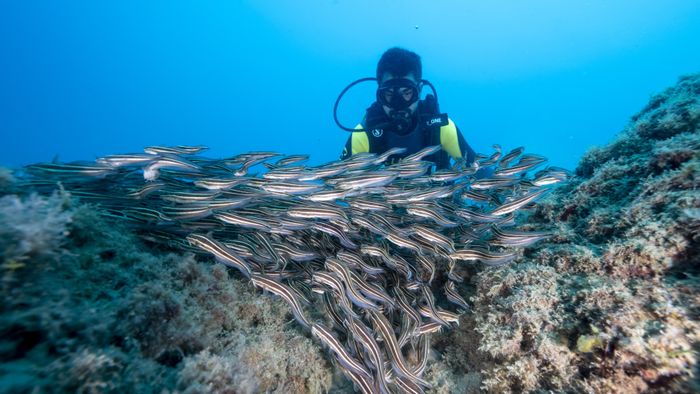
(83, 79)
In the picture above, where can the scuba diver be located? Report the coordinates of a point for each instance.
(399, 118)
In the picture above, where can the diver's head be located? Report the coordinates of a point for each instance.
(399, 62)
(399, 74)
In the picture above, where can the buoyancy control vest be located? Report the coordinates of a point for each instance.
(425, 131)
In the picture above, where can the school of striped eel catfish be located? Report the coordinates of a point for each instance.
(368, 253)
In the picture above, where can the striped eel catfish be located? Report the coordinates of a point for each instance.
(283, 291)
(368, 243)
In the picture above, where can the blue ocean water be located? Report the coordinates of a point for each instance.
(81, 79)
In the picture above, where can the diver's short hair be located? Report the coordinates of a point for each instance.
(399, 62)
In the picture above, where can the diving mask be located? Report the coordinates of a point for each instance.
(393, 99)
(398, 94)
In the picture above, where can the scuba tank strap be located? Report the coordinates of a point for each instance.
(375, 124)
(432, 120)
(429, 115)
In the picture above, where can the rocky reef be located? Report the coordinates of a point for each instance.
(90, 308)
(610, 303)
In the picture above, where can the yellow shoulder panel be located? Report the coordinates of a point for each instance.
(449, 141)
(360, 142)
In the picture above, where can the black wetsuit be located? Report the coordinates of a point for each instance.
(429, 128)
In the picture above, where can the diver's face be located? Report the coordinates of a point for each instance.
(407, 93)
